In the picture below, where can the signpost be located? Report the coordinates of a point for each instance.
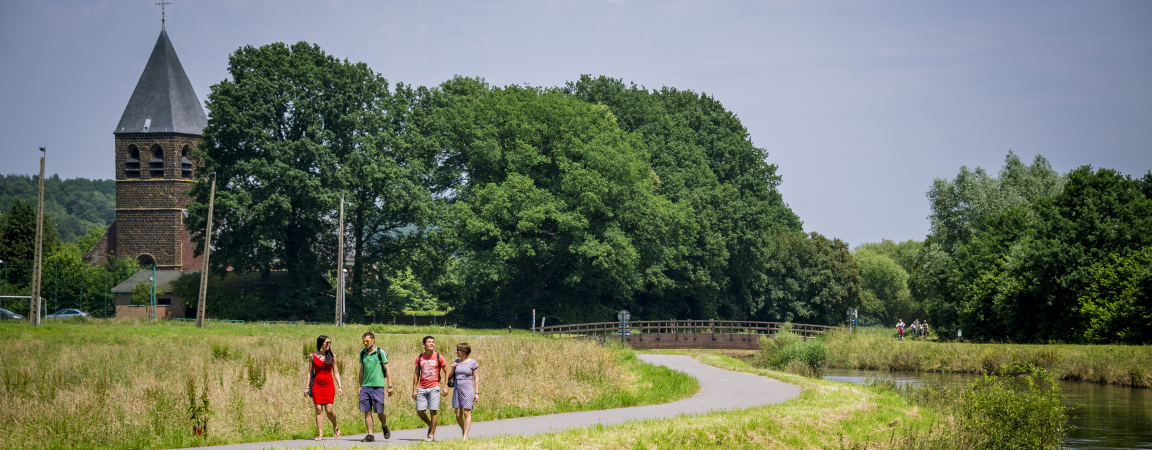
(623, 316)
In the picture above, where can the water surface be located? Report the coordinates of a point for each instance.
(1109, 417)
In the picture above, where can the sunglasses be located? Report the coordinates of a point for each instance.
(367, 341)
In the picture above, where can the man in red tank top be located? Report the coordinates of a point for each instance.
(426, 385)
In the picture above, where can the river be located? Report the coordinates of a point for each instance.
(1110, 417)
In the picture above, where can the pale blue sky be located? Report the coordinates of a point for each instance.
(860, 103)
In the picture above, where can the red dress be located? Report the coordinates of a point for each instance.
(323, 388)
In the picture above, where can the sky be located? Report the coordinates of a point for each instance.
(861, 104)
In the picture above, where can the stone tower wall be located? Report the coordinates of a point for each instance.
(150, 210)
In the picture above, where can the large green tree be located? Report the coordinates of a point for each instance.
(279, 137)
(1036, 269)
(554, 207)
(706, 163)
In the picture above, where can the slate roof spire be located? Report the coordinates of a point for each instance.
(163, 101)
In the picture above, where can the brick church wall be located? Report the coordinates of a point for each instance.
(150, 210)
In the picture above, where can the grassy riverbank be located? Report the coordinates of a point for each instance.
(875, 349)
(127, 385)
(826, 415)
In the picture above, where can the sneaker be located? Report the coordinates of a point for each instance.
(369, 438)
(430, 438)
(387, 433)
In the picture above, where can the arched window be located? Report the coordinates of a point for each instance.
(132, 165)
(145, 261)
(156, 164)
(185, 163)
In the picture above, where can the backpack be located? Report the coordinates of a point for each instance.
(383, 370)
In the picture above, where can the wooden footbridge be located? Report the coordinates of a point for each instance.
(685, 334)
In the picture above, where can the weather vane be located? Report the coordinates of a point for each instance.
(162, 3)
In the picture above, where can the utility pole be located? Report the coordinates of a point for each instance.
(340, 265)
(207, 249)
(34, 317)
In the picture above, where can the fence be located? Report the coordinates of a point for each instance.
(685, 334)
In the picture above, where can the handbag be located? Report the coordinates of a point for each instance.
(452, 381)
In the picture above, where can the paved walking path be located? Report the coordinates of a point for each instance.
(719, 390)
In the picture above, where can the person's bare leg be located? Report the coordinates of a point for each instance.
(383, 419)
(467, 422)
(319, 422)
(424, 416)
(432, 427)
(368, 421)
(332, 418)
(460, 421)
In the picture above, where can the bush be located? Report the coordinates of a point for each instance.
(789, 352)
(1019, 410)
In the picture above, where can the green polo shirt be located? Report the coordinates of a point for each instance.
(373, 373)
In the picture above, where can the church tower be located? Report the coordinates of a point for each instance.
(161, 124)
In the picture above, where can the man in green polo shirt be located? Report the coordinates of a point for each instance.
(373, 374)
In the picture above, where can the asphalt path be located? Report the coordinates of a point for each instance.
(720, 390)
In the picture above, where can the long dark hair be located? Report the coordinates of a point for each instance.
(329, 358)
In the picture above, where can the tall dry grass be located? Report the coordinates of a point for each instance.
(130, 386)
(873, 349)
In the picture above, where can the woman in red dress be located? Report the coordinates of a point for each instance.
(321, 374)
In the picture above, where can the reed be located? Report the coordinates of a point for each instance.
(875, 349)
(129, 385)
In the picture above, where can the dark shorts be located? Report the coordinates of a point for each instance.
(372, 399)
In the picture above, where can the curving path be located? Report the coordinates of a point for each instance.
(719, 390)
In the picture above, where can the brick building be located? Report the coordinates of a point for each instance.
(162, 122)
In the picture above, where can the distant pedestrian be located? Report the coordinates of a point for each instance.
(916, 328)
(322, 371)
(467, 386)
(426, 385)
(374, 376)
(925, 329)
(900, 328)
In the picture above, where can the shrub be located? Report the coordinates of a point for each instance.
(1019, 410)
(789, 351)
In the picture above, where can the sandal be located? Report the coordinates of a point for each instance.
(337, 432)
(319, 438)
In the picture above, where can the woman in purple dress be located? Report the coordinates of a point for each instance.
(467, 389)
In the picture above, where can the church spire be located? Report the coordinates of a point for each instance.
(163, 100)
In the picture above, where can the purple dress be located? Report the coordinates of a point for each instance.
(465, 391)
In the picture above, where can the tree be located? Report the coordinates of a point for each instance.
(555, 201)
(958, 206)
(808, 277)
(885, 289)
(705, 162)
(1029, 271)
(18, 241)
(1117, 305)
(279, 134)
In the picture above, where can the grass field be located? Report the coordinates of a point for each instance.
(826, 415)
(129, 385)
(875, 349)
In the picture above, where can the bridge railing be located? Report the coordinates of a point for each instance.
(708, 326)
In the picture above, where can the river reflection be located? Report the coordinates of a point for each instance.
(1109, 417)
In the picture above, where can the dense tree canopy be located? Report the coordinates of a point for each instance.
(1030, 255)
(76, 205)
(705, 163)
(575, 201)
